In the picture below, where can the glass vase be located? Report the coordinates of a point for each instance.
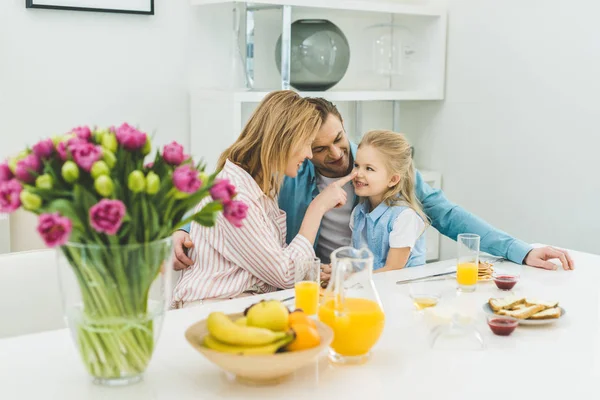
(114, 300)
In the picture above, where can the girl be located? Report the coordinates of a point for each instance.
(235, 261)
(388, 220)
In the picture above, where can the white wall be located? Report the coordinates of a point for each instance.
(517, 136)
(59, 69)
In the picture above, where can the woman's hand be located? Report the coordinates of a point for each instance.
(334, 195)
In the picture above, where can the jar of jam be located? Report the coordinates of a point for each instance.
(505, 281)
(502, 325)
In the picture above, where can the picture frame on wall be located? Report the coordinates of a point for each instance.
(114, 6)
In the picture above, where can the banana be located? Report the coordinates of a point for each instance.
(226, 331)
(214, 344)
(243, 321)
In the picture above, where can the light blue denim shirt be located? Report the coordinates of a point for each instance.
(448, 218)
(375, 227)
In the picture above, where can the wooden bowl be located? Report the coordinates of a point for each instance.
(258, 369)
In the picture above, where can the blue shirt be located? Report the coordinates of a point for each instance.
(448, 218)
(375, 227)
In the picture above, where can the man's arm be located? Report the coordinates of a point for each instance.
(451, 220)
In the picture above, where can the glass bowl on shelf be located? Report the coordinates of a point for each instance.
(390, 48)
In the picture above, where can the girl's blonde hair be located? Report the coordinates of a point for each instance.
(282, 123)
(397, 157)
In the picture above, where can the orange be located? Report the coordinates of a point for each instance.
(299, 317)
(307, 337)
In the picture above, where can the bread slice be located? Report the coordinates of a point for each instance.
(523, 313)
(547, 314)
(519, 307)
(506, 303)
(546, 304)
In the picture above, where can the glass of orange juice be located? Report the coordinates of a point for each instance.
(467, 263)
(307, 284)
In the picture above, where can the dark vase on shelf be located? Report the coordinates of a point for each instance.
(320, 54)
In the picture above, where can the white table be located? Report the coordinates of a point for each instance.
(557, 361)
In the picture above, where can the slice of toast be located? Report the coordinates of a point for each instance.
(546, 304)
(547, 314)
(506, 303)
(518, 307)
(523, 313)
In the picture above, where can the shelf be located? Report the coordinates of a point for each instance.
(386, 6)
(339, 95)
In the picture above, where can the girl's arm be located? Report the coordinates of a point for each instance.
(405, 232)
(396, 259)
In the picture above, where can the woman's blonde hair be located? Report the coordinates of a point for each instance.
(397, 157)
(282, 123)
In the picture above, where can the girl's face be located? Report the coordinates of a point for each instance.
(297, 157)
(373, 178)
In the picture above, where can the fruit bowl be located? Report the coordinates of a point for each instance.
(258, 369)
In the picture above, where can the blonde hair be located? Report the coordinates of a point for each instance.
(282, 123)
(397, 158)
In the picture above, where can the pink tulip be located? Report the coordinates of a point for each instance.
(5, 172)
(82, 132)
(222, 191)
(85, 154)
(28, 168)
(235, 212)
(185, 179)
(43, 149)
(54, 229)
(130, 138)
(173, 153)
(106, 216)
(10, 192)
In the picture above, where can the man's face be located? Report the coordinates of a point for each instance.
(331, 149)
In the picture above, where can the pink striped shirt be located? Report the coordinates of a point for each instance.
(229, 261)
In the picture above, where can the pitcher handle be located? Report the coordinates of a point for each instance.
(341, 270)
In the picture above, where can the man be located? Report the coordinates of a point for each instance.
(333, 158)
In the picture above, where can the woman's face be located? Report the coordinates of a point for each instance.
(297, 157)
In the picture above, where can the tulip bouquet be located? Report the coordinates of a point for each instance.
(111, 217)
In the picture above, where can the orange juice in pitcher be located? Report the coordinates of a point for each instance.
(357, 330)
(351, 306)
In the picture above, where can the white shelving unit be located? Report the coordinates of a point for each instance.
(415, 7)
(218, 115)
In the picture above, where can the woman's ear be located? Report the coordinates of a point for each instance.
(394, 180)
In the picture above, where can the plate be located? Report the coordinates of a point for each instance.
(453, 269)
(488, 309)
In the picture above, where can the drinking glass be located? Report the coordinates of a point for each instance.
(306, 287)
(467, 263)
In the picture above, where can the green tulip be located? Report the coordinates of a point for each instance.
(70, 171)
(104, 185)
(136, 182)
(12, 162)
(99, 168)
(109, 158)
(203, 177)
(147, 147)
(109, 142)
(99, 135)
(152, 183)
(56, 139)
(44, 182)
(30, 200)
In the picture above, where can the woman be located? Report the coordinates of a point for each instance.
(230, 261)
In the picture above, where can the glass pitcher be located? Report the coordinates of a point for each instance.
(351, 306)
